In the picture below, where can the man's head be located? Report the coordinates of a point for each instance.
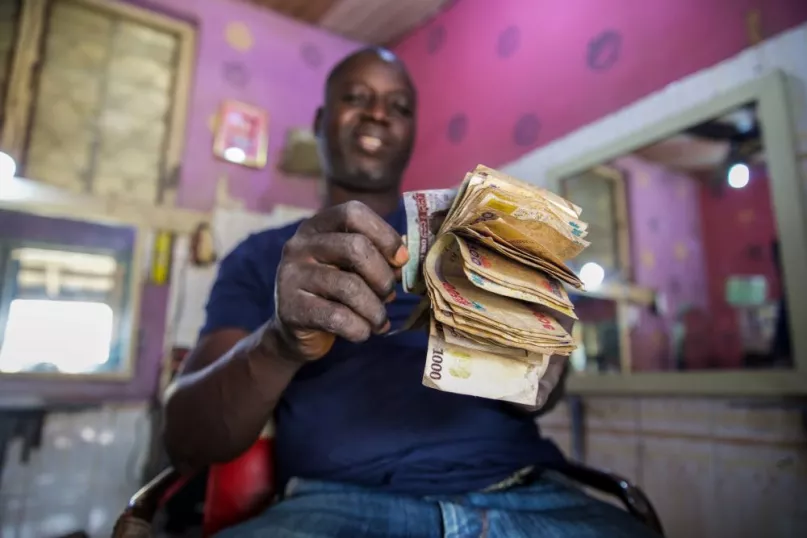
(366, 126)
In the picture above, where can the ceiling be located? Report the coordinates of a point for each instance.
(707, 147)
(377, 22)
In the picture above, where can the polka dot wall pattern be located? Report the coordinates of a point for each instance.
(526, 130)
(604, 50)
(238, 36)
(508, 42)
(236, 74)
(435, 39)
(746, 216)
(457, 128)
(311, 55)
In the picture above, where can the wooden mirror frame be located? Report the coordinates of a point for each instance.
(771, 93)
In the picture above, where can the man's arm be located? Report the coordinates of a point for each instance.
(331, 281)
(224, 396)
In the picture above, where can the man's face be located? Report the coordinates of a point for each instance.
(366, 128)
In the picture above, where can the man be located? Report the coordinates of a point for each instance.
(296, 330)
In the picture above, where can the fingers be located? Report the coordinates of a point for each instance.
(320, 314)
(355, 217)
(351, 252)
(348, 289)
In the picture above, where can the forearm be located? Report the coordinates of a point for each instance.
(215, 414)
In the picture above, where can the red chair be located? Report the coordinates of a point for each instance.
(242, 488)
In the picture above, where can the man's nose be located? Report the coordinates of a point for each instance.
(377, 110)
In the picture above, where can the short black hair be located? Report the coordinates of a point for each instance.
(347, 62)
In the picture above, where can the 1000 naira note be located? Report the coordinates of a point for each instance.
(425, 213)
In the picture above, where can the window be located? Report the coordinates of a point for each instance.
(96, 97)
(601, 191)
(61, 310)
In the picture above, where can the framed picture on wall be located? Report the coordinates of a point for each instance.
(601, 191)
(242, 134)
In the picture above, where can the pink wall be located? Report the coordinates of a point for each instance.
(283, 72)
(667, 254)
(738, 231)
(498, 79)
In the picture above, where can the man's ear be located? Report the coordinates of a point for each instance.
(318, 121)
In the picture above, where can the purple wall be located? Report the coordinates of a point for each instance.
(277, 64)
(667, 252)
(22, 226)
(281, 66)
(498, 79)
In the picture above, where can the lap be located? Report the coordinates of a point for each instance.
(546, 508)
(319, 510)
(549, 507)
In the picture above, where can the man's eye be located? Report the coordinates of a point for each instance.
(355, 99)
(403, 109)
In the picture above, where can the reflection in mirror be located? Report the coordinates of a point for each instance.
(596, 335)
(65, 301)
(689, 254)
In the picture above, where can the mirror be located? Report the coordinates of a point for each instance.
(67, 298)
(685, 270)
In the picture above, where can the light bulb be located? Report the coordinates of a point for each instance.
(235, 155)
(8, 168)
(592, 274)
(739, 175)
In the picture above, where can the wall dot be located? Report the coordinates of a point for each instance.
(238, 36)
(642, 178)
(236, 74)
(755, 252)
(212, 122)
(604, 50)
(526, 130)
(457, 128)
(435, 39)
(648, 259)
(312, 56)
(746, 216)
(658, 340)
(508, 41)
(681, 251)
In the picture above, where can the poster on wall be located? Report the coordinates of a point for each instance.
(242, 134)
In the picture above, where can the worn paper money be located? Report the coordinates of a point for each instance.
(425, 212)
(490, 259)
(465, 370)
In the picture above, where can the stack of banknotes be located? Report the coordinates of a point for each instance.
(489, 259)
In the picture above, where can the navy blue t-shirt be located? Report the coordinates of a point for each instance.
(361, 414)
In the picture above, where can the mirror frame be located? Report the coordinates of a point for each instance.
(772, 92)
(26, 196)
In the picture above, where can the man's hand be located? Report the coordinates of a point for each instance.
(335, 275)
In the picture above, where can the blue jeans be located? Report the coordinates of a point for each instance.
(547, 507)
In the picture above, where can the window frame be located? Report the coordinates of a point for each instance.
(22, 81)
